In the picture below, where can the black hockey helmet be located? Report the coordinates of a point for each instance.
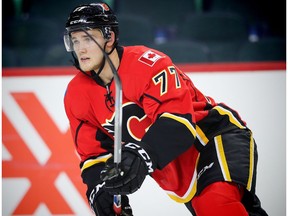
(90, 16)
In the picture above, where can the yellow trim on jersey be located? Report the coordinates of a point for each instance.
(251, 168)
(232, 119)
(188, 195)
(91, 162)
(201, 136)
(190, 192)
(222, 158)
(182, 121)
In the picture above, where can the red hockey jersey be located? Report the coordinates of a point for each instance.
(153, 88)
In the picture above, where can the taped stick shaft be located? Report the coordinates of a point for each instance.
(117, 137)
(117, 204)
(118, 122)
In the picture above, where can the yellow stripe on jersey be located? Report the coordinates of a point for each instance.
(201, 136)
(232, 119)
(191, 191)
(182, 121)
(251, 168)
(222, 158)
(189, 195)
(91, 162)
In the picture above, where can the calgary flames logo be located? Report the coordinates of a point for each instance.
(134, 124)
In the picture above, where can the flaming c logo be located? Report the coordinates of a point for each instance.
(135, 123)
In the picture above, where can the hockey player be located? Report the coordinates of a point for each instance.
(200, 152)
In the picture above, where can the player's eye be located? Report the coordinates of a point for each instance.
(87, 39)
(75, 42)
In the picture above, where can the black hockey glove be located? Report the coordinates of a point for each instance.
(101, 203)
(135, 164)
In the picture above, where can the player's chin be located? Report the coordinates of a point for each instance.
(86, 67)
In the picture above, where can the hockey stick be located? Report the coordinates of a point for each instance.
(117, 122)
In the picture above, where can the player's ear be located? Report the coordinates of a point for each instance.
(112, 39)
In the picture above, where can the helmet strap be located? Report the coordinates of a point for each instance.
(103, 61)
(114, 46)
